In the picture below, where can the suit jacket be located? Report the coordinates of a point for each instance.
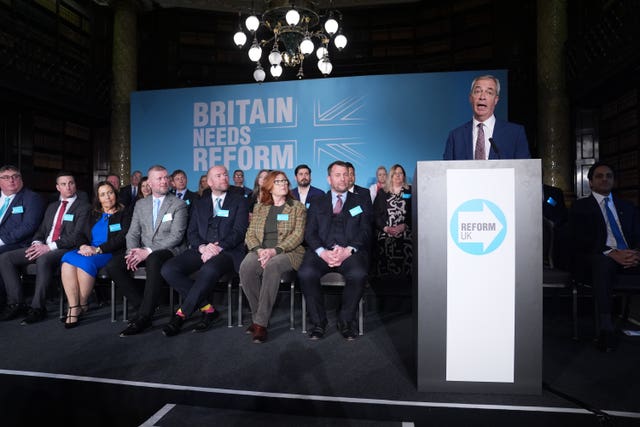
(171, 225)
(125, 197)
(231, 228)
(313, 192)
(357, 225)
(290, 231)
(73, 223)
(119, 224)
(589, 229)
(189, 197)
(510, 142)
(21, 220)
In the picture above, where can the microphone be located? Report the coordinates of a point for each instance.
(494, 147)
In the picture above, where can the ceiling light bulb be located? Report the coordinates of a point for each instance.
(306, 46)
(292, 17)
(259, 74)
(255, 51)
(276, 71)
(239, 38)
(275, 57)
(252, 23)
(331, 26)
(340, 41)
(321, 52)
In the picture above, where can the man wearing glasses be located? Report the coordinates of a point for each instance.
(21, 211)
(59, 232)
(238, 181)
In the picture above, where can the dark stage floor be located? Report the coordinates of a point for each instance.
(91, 376)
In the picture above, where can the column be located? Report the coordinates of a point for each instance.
(554, 136)
(124, 71)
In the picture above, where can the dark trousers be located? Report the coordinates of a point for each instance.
(354, 269)
(46, 267)
(604, 274)
(177, 272)
(146, 299)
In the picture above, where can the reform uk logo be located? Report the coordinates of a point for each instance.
(478, 226)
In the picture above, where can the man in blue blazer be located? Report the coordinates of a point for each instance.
(304, 192)
(338, 235)
(21, 211)
(60, 231)
(605, 245)
(155, 235)
(485, 137)
(216, 233)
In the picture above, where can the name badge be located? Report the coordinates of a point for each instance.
(167, 217)
(406, 195)
(114, 227)
(306, 205)
(223, 213)
(67, 217)
(355, 211)
(282, 217)
(552, 201)
(188, 202)
(17, 210)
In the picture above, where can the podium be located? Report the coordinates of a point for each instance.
(477, 290)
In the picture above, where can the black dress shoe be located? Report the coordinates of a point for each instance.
(316, 332)
(206, 321)
(607, 341)
(34, 315)
(348, 330)
(173, 327)
(137, 326)
(13, 311)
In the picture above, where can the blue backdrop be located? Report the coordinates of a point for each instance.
(369, 121)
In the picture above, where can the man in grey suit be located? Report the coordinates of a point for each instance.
(59, 231)
(156, 234)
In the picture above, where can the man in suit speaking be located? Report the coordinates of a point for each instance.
(485, 137)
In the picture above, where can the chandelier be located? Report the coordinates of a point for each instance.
(290, 28)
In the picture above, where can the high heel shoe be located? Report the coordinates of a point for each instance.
(83, 309)
(70, 325)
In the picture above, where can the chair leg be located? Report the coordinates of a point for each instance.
(113, 301)
(239, 304)
(361, 316)
(574, 292)
(292, 325)
(229, 314)
(61, 300)
(304, 315)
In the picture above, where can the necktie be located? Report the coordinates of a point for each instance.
(217, 206)
(179, 195)
(617, 234)
(134, 191)
(156, 209)
(58, 227)
(479, 154)
(3, 209)
(338, 207)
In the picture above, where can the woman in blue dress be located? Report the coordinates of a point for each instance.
(105, 237)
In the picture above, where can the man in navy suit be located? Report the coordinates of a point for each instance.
(485, 137)
(59, 232)
(304, 192)
(21, 211)
(216, 233)
(338, 234)
(128, 193)
(605, 233)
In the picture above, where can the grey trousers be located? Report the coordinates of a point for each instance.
(261, 285)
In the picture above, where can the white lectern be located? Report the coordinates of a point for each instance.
(477, 276)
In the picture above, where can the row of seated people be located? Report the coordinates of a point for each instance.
(331, 233)
(603, 234)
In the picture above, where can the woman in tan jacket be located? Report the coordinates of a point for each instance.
(274, 240)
